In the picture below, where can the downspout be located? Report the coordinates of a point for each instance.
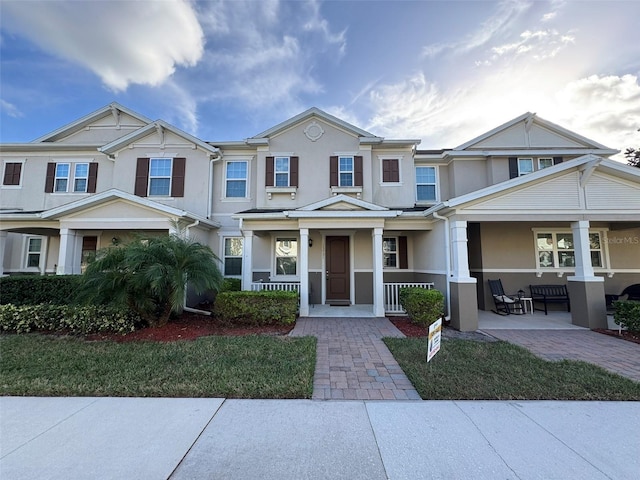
(210, 196)
(448, 259)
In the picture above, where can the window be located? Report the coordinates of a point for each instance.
(525, 166)
(545, 163)
(390, 252)
(34, 251)
(286, 256)
(557, 250)
(160, 176)
(282, 171)
(61, 181)
(233, 256)
(426, 184)
(12, 171)
(345, 171)
(80, 177)
(390, 170)
(236, 179)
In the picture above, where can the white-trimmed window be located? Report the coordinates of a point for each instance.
(390, 252)
(545, 163)
(557, 250)
(233, 256)
(390, 170)
(525, 166)
(236, 179)
(61, 180)
(80, 177)
(35, 246)
(281, 171)
(160, 176)
(426, 184)
(286, 256)
(345, 171)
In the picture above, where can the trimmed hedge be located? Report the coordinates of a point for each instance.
(423, 306)
(231, 285)
(256, 308)
(627, 312)
(66, 318)
(37, 289)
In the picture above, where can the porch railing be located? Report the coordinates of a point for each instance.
(392, 295)
(286, 286)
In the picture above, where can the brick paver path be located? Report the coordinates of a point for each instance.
(613, 354)
(352, 362)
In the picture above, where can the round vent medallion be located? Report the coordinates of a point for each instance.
(313, 131)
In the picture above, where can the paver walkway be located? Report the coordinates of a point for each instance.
(613, 354)
(352, 362)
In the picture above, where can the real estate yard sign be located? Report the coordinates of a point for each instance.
(435, 332)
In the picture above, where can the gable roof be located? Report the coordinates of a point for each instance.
(77, 125)
(528, 122)
(350, 204)
(123, 142)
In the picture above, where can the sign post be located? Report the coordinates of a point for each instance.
(435, 332)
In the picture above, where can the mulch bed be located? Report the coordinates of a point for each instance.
(190, 326)
(624, 335)
(410, 329)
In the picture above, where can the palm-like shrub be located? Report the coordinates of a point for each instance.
(150, 275)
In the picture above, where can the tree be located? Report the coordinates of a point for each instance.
(150, 275)
(633, 156)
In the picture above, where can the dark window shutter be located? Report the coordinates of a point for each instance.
(513, 167)
(12, 174)
(557, 160)
(293, 171)
(177, 177)
(386, 170)
(93, 177)
(390, 170)
(51, 175)
(402, 252)
(357, 181)
(333, 171)
(269, 180)
(142, 177)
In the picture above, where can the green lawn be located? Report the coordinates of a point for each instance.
(231, 367)
(469, 370)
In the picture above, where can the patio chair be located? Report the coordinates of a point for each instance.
(505, 304)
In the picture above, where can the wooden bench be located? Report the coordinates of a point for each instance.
(547, 294)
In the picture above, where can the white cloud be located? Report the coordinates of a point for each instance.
(122, 42)
(537, 45)
(10, 109)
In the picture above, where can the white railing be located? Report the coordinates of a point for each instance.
(286, 286)
(392, 295)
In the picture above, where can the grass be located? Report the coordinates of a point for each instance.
(231, 367)
(468, 370)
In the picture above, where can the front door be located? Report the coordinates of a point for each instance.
(338, 273)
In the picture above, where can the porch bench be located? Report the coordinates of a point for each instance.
(547, 294)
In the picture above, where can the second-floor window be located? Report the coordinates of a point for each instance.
(426, 184)
(525, 166)
(281, 171)
(67, 177)
(519, 166)
(345, 171)
(390, 170)
(236, 179)
(160, 176)
(12, 174)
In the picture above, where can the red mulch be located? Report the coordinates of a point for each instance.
(190, 326)
(624, 335)
(409, 329)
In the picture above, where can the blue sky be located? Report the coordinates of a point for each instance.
(443, 72)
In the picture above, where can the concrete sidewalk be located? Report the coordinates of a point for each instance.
(160, 438)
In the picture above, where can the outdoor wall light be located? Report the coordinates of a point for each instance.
(115, 241)
(310, 242)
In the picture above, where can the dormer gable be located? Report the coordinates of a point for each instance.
(342, 202)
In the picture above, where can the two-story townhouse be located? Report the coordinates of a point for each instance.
(337, 213)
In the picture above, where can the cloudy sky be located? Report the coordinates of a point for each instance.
(443, 72)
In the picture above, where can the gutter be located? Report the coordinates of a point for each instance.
(448, 260)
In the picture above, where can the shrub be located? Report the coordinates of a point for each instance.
(627, 312)
(423, 306)
(37, 289)
(231, 285)
(256, 308)
(67, 318)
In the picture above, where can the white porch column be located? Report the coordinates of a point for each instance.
(304, 272)
(378, 280)
(582, 248)
(3, 243)
(67, 251)
(247, 259)
(459, 252)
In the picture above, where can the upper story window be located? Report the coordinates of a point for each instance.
(525, 166)
(61, 181)
(545, 163)
(236, 179)
(282, 171)
(519, 166)
(81, 177)
(160, 177)
(426, 184)
(12, 174)
(345, 171)
(66, 177)
(557, 250)
(233, 256)
(286, 256)
(390, 170)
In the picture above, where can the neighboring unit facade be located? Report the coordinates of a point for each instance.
(335, 212)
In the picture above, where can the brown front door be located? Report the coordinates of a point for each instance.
(338, 274)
